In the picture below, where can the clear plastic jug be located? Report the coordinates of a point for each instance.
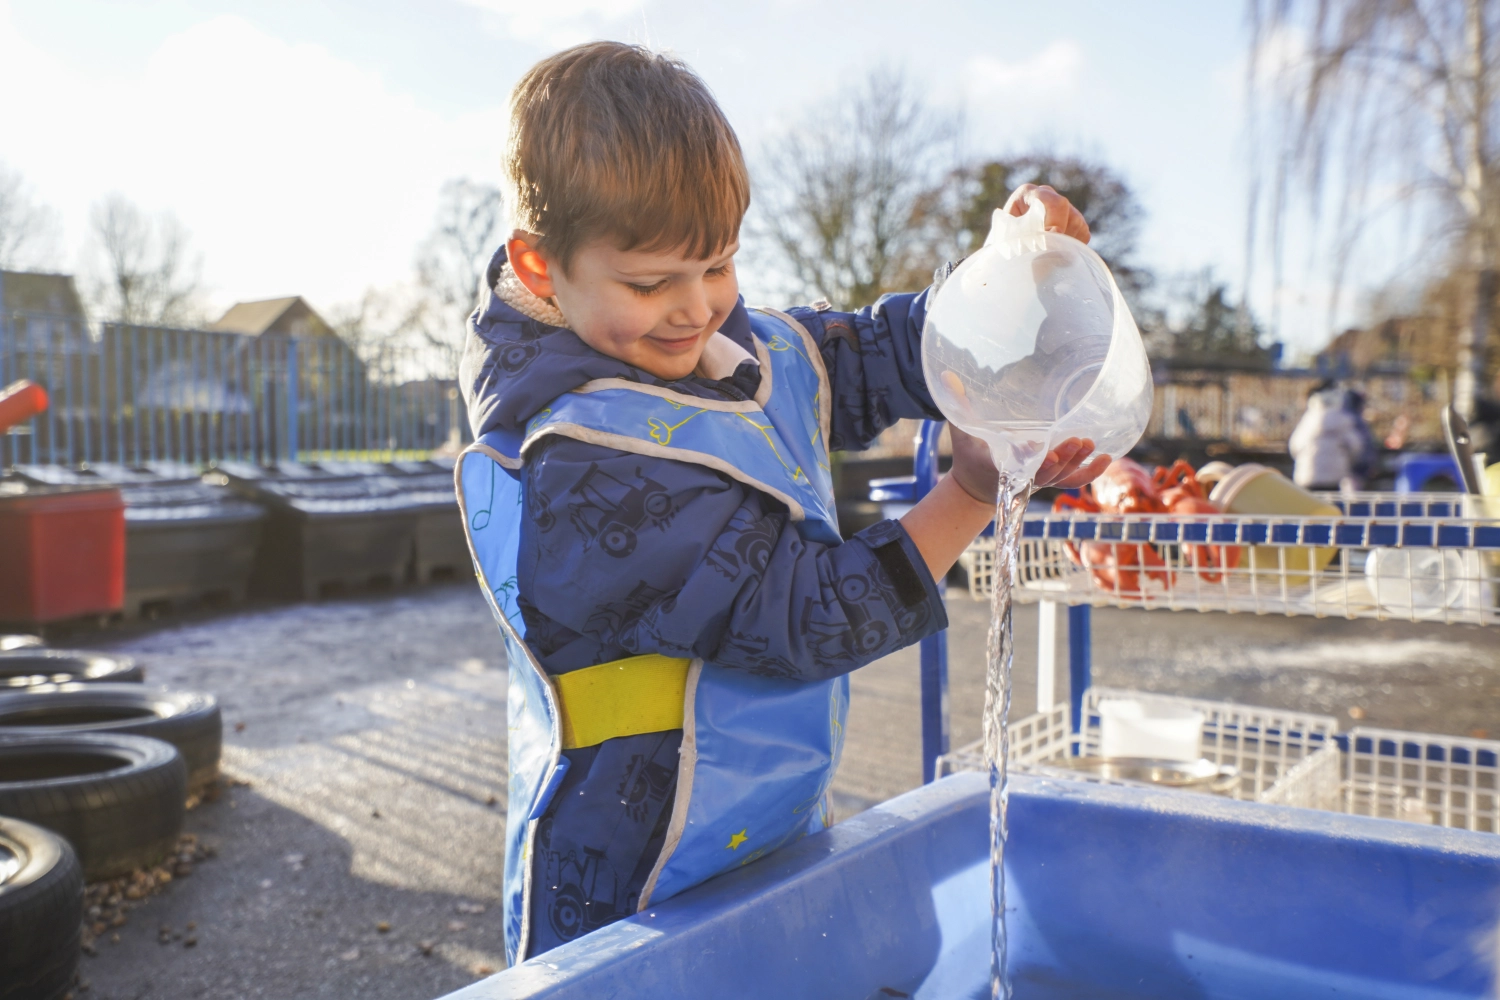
(1029, 342)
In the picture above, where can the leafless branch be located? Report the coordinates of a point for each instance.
(28, 229)
(854, 199)
(1383, 102)
(144, 270)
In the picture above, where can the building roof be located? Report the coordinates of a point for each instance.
(26, 291)
(271, 315)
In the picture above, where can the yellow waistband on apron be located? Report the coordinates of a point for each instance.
(641, 694)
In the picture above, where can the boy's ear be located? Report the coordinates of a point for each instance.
(529, 265)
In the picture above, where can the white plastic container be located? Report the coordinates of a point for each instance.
(1029, 342)
(1150, 730)
(1426, 581)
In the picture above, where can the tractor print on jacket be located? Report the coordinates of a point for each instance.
(611, 513)
(586, 882)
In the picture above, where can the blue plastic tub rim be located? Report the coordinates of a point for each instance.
(1115, 893)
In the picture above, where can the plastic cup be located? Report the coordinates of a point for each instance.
(1256, 489)
(1412, 581)
(1149, 730)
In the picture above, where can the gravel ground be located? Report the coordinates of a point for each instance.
(370, 735)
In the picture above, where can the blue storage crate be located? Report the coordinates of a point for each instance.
(1115, 893)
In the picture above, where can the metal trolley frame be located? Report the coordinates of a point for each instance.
(1415, 557)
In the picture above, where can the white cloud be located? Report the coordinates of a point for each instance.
(556, 23)
(284, 161)
(1049, 76)
(1043, 99)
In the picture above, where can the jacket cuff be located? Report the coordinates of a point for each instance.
(923, 610)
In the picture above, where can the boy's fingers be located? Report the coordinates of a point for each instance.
(1078, 226)
(1072, 447)
(1060, 214)
(1073, 451)
(1084, 447)
(1085, 474)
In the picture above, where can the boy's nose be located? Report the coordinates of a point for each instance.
(693, 310)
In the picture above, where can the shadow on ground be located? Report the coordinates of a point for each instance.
(281, 913)
(371, 735)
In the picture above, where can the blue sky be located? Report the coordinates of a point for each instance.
(303, 143)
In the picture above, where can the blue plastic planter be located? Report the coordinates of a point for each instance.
(1415, 469)
(1116, 893)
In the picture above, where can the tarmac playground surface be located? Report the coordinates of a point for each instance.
(359, 847)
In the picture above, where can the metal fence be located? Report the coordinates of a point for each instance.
(1260, 409)
(134, 394)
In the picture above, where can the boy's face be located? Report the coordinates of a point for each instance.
(654, 310)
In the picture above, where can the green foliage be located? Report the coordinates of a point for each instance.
(1200, 326)
(1103, 197)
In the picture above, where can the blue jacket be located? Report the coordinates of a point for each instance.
(720, 577)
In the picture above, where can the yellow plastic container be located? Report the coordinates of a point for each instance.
(1489, 504)
(1256, 489)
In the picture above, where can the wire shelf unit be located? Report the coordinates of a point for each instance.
(1415, 557)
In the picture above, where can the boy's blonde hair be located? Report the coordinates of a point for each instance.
(616, 141)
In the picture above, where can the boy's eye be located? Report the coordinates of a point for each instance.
(717, 272)
(651, 289)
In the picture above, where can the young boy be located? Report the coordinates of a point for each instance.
(650, 505)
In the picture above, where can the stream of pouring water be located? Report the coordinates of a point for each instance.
(1010, 508)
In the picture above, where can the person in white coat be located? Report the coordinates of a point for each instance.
(1327, 444)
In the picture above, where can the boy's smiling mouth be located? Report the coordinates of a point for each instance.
(676, 345)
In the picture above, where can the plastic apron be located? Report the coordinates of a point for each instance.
(758, 753)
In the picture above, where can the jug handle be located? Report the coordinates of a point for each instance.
(1014, 234)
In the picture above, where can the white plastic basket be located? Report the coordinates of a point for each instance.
(1263, 744)
(1424, 777)
(1432, 561)
(1314, 782)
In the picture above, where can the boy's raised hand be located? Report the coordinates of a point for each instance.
(1067, 466)
(1060, 217)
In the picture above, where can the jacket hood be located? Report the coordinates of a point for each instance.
(513, 365)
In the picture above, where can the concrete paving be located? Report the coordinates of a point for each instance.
(371, 734)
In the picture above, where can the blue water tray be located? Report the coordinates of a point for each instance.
(1115, 893)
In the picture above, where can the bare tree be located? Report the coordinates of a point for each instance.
(857, 199)
(1380, 103)
(394, 317)
(144, 270)
(28, 229)
(451, 261)
(421, 321)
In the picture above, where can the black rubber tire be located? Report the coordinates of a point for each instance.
(25, 667)
(41, 913)
(18, 640)
(188, 720)
(119, 800)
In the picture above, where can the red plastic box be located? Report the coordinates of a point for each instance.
(62, 552)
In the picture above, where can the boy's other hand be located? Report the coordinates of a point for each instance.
(1061, 216)
(1068, 466)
